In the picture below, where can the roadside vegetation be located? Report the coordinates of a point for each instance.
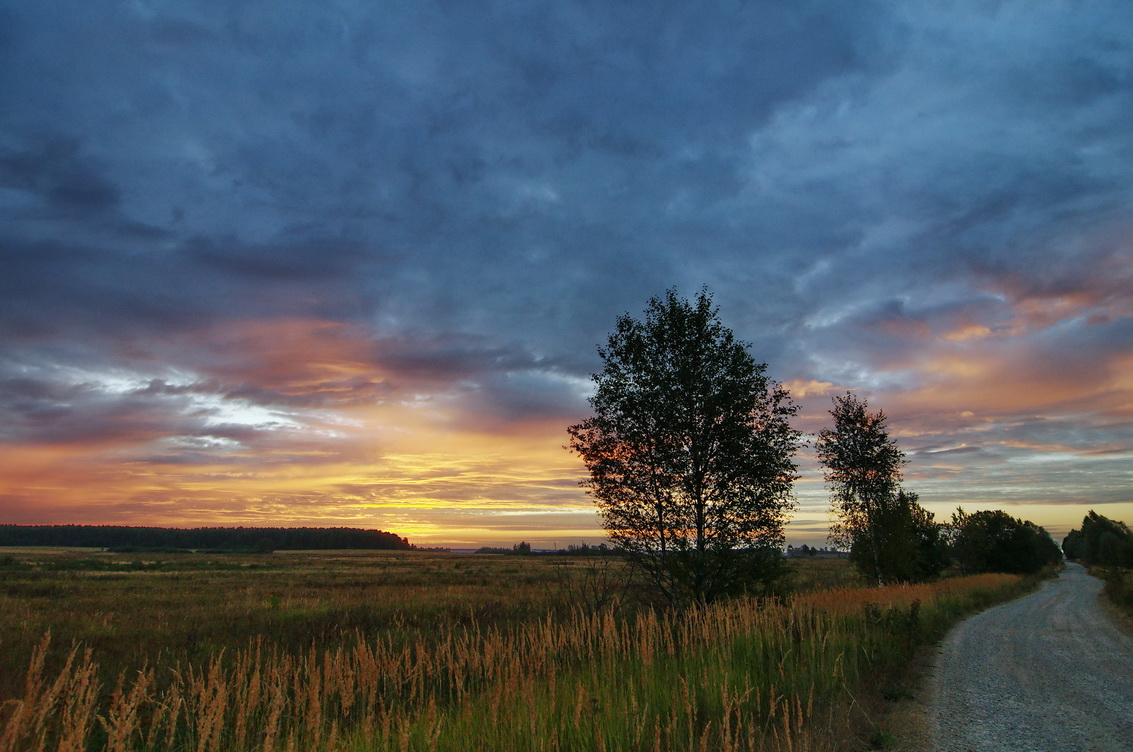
(377, 651)
(1106, 547)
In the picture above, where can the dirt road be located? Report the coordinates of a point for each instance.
(1048, 672)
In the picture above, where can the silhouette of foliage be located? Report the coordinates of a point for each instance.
(910, 544)
(689, 453)
(251, 539)
(1100, 540)
(863, 472)
(994, 541)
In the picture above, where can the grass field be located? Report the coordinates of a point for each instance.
(392, 651)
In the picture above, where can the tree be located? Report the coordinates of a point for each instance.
(689, 452)
(863, 472)
(906, 544)
(994, 541)
(1100, 541)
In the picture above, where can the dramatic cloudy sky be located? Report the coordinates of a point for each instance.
(348, 263)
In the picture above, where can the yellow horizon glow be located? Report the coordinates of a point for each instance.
(356, 443)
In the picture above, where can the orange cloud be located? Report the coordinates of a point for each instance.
(967, 333)
(800, 388)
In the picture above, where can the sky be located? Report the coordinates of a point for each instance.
(345, 263)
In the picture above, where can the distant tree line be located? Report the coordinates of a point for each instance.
(523, 548)
(1100, 541)
(798, 552)
(1108, 544)
(264, 539)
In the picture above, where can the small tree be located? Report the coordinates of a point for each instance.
(863, 472)
(689, 452)
(906, 545)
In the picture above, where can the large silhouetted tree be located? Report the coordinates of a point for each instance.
(690, 452)
(863, 472)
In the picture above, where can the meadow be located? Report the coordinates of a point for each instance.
(435, 651)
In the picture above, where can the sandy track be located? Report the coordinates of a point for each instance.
(1047, 672)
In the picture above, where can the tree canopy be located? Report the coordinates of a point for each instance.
(994, 541)
(1100, 540)
(689, 452)
(863, 471)
(906, 544)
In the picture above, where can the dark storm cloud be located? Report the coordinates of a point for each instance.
(495, 149)
(79, 413)
(59, 176)
(309, 261)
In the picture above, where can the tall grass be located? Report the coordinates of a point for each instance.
(774, 675)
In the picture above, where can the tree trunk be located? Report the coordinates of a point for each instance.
(874, 545)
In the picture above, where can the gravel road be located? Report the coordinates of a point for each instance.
(1048, 672)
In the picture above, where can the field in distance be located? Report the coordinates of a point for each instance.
(129, 608)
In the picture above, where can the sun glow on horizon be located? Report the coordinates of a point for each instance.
(307, 422)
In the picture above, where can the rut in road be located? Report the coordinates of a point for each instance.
(1047, 672)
